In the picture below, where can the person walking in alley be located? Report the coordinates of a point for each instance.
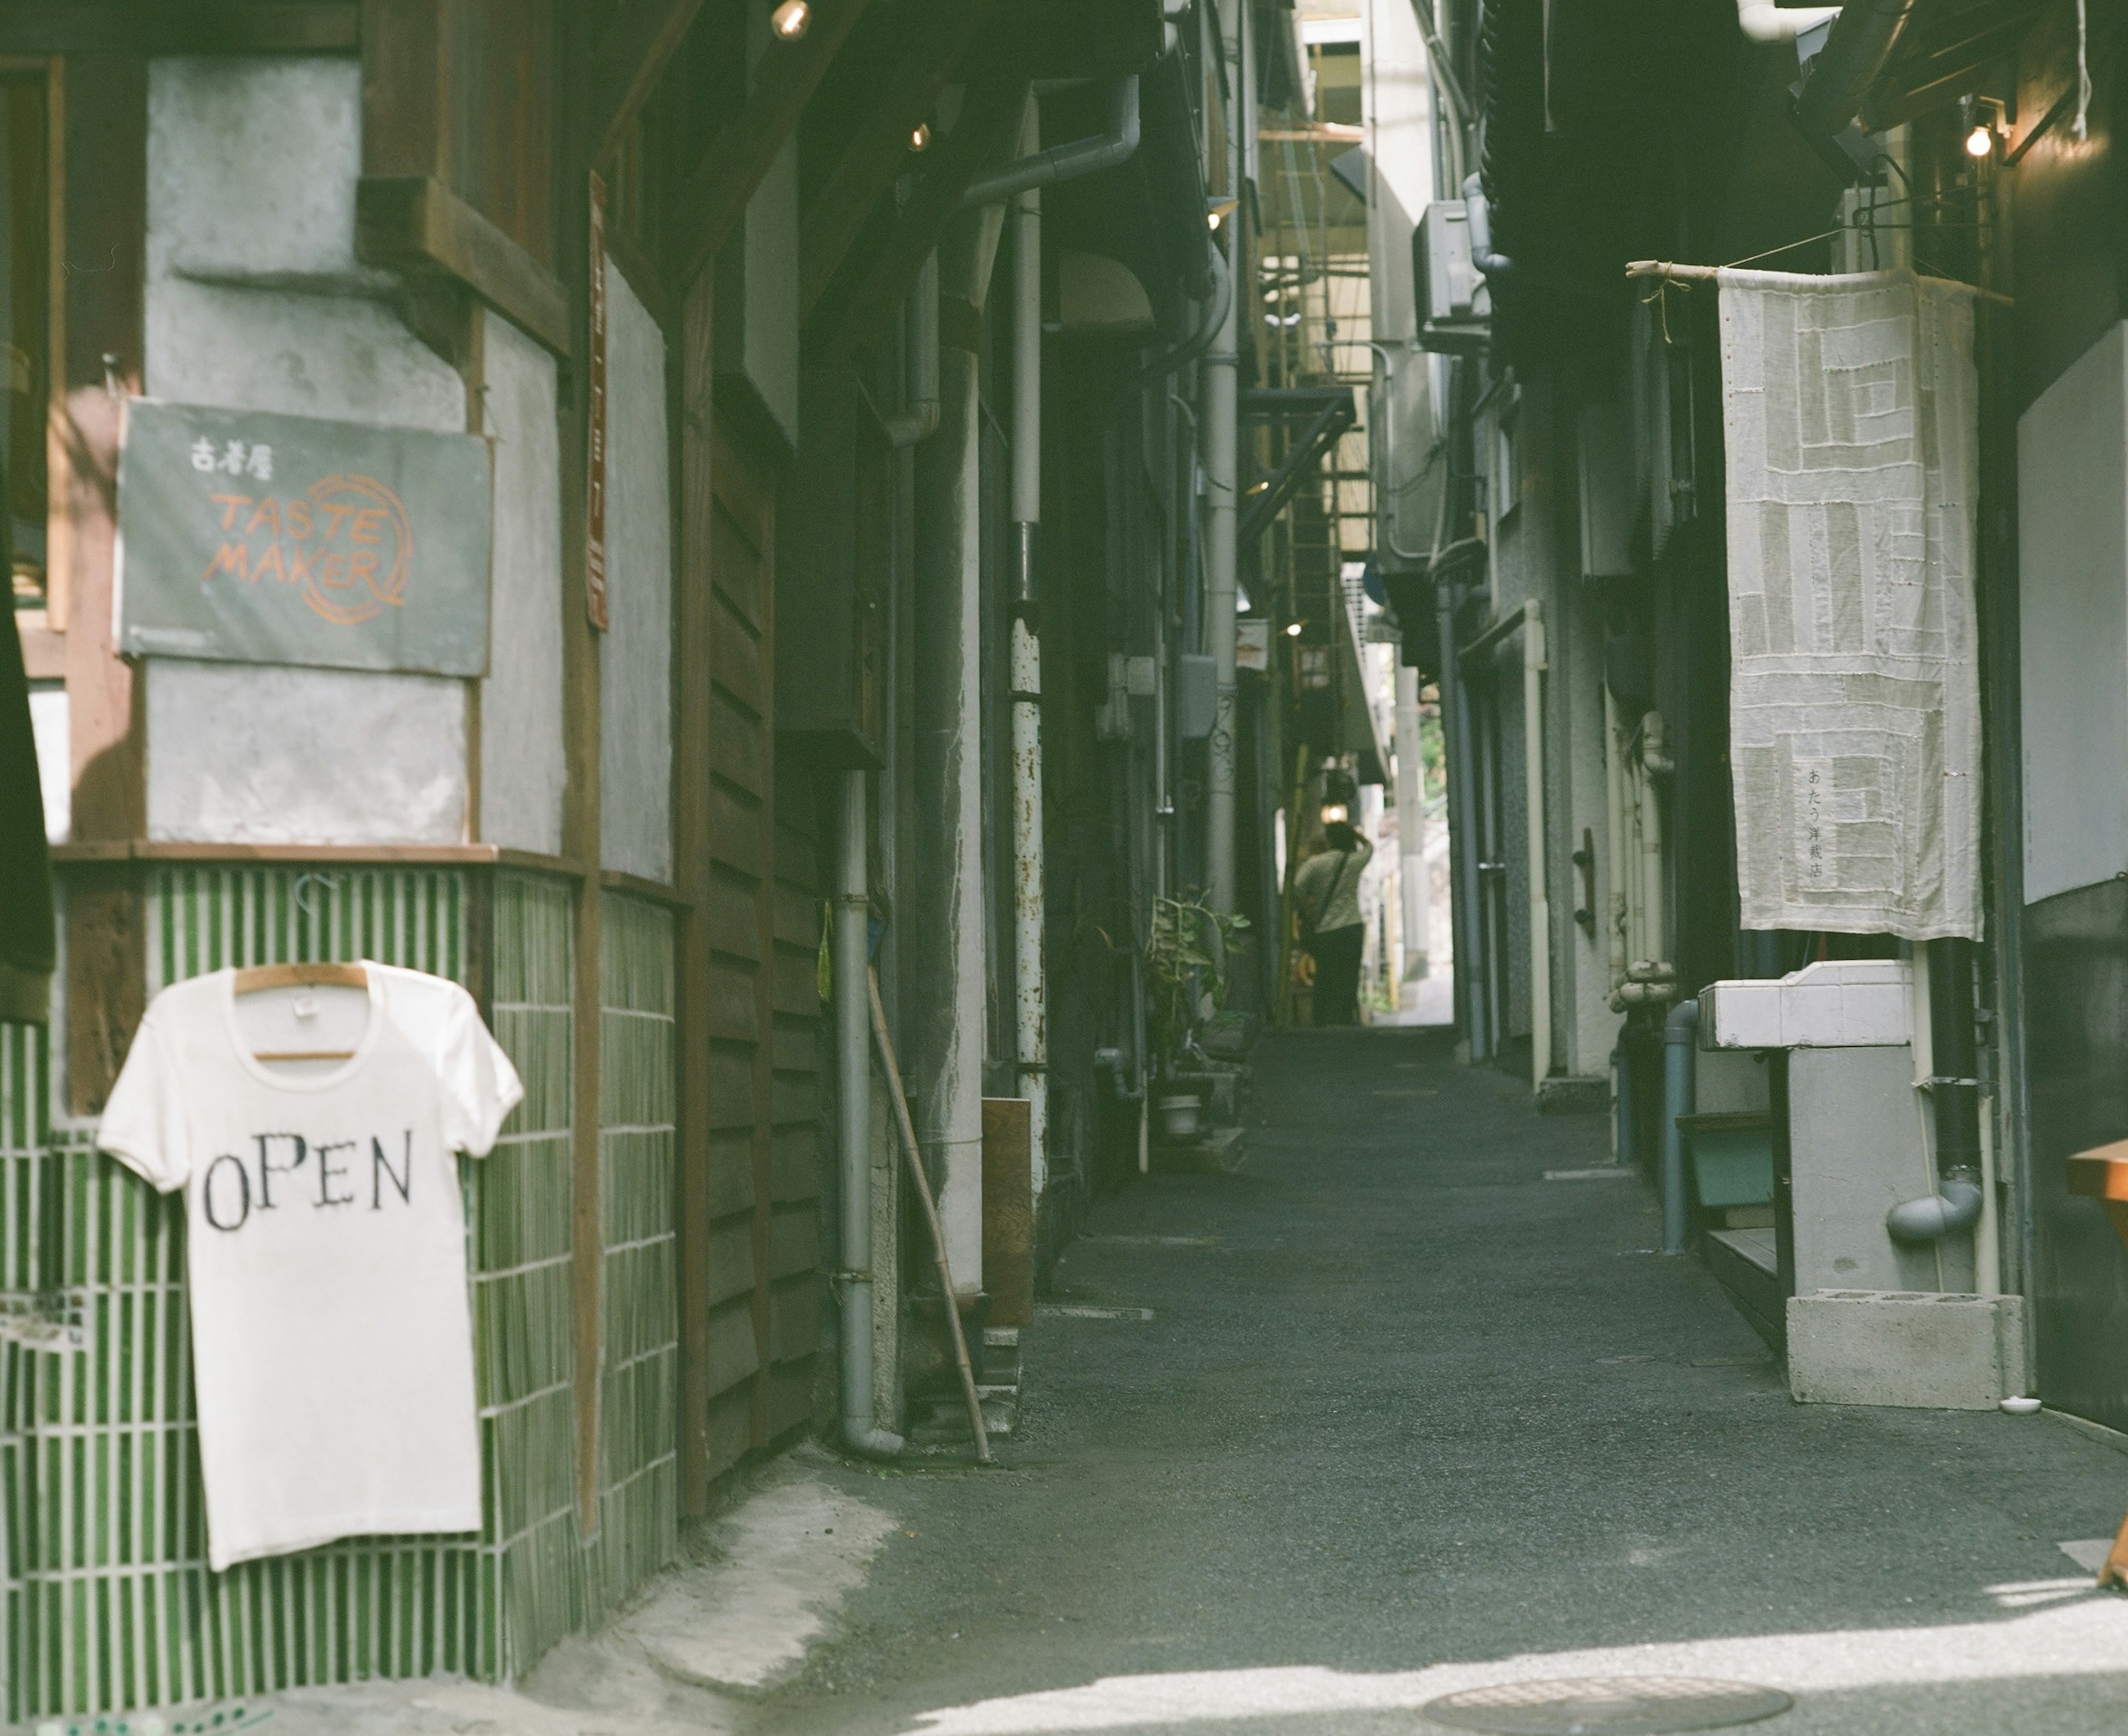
(1326, 889)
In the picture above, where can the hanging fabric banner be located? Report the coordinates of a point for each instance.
(1850, 419)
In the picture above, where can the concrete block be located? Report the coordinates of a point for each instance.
(1920, 1349)
(1730, 1081)
(1858, 1146)
(1841, 1004)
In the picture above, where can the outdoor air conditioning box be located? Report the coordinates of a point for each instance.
(1441, 261)
(834, 531)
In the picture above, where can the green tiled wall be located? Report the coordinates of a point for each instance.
(639, 1197)
(109, 1601)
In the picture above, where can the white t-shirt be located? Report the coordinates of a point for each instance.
(332, 1338)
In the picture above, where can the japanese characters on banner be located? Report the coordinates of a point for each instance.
(595, 450)
(246, 536)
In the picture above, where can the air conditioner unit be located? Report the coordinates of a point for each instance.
(1453, 300)
(1446, 279)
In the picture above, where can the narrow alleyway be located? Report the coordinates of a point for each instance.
(1404, 1403)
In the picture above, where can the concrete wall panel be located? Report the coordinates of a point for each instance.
(635, 702)
(255, 300)
(522, 770)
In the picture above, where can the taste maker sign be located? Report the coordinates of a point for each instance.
(257, 538)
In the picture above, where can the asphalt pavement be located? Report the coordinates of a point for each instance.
(1409, 1417)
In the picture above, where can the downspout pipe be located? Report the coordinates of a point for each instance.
(1840, 75)
(1954, 1093)
(1534, 664)
(919, 419)
(1066, 162)
(1029, 903)
(852, 1012)
(1221, 457)
(1462, 817)
(1680, 1041)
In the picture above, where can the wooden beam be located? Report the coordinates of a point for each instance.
(142, 28)
(627, 60)
(416, 223)
(693, 759)
(877, 149)
(866, 293)
(783, 83)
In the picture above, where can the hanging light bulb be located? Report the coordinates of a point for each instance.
(1980, 142)
(1212, 219)
(921, 137)
(790, 20)
(1293, 629)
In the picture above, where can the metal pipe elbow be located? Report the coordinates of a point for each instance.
(1681, 1026)
(1955, 1206)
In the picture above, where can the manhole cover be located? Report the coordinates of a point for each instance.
(1611, 1705)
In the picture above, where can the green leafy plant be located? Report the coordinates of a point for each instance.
(1188, 950)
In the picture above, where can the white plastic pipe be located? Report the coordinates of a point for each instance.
(1411, 824)
(1030, 1028)
(1654, 764)
(1764, 21)
(919, 419)
(852, 1012)
(1539, 905)
(1618, 929)
(1221, 459)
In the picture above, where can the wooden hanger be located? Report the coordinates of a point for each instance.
(254, 977)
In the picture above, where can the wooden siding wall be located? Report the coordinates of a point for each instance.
(737, 912)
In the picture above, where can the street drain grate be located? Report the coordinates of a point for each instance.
(1609, 1706)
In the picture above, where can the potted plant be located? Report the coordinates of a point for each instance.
(1187, 949)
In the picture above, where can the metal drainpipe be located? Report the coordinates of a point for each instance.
(1680, 1036)
(1462, 821)
(918, 420)
(852, 1012)
(1067, 162)
(1954, 1092)
(1221, 461)
(1030, 1041)
(1539, 905)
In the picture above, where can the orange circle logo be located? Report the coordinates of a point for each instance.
(348, 586)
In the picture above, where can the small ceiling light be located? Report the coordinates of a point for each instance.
(1980, 142)
(1258, 487)
(1212, 219)
(1334, 812)
(790, 20)
(1293, 629)
(921, 137)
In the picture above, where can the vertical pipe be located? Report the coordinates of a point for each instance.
(1462, 824)
(1653, 916)
(853, 1133)
(1539, 905)
(1680, 1034)
(1620, 869)
(1030, 1038)
(1221, 453)
(1411, 824)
